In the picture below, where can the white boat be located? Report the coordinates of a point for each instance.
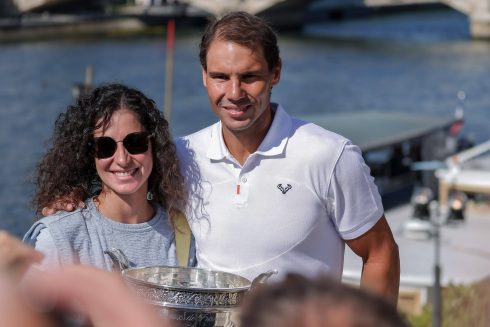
(33, 5)
(466, 171)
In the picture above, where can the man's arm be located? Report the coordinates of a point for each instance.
(381, 261)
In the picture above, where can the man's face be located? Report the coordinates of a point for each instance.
(239, 82)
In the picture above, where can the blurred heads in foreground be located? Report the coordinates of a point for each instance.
(319, 302)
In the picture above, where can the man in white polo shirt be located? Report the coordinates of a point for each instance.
(268, 191)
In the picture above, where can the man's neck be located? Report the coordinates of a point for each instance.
(241, 144)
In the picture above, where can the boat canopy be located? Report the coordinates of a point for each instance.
(372, 130)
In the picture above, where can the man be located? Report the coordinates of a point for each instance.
(268, 191)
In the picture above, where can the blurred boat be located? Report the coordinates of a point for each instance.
(466, 171)
(34, 5)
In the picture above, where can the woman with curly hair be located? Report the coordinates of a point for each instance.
(113, 151)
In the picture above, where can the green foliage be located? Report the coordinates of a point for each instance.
(422, 320)
(467, 305)
(462, 306)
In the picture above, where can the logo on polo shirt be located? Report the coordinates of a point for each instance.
(284, 190)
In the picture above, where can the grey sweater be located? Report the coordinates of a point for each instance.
(83, 235)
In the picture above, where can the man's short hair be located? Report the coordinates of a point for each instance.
(244, 29)
(299, 302)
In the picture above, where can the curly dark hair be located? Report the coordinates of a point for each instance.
(67, 171)
(245, 29)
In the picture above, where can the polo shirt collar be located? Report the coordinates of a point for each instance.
(217, 149)
(273, 144)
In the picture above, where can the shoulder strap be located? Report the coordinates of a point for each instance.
(182, 239)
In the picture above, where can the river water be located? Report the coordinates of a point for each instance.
(412, 62)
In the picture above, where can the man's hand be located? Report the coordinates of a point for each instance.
(65, 204)
(15, 256)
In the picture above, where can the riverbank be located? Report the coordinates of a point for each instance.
(122, 21)
(131, 22)
(56, 26)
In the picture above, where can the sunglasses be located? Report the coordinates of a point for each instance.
(134, 143)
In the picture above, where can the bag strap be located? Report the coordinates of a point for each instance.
(182, 239)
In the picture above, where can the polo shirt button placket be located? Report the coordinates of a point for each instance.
(241, 196)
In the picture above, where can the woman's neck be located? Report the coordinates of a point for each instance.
(131, 209)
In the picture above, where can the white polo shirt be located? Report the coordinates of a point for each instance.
(289, 207)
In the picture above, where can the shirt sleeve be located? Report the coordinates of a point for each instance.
(353, 198)
(45, 244)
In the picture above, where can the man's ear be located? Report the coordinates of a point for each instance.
(204, 77)
(276, 73)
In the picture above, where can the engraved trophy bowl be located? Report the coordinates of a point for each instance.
(193, 297)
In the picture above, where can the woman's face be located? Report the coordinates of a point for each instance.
(124, 173)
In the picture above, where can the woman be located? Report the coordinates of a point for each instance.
(112, 150)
